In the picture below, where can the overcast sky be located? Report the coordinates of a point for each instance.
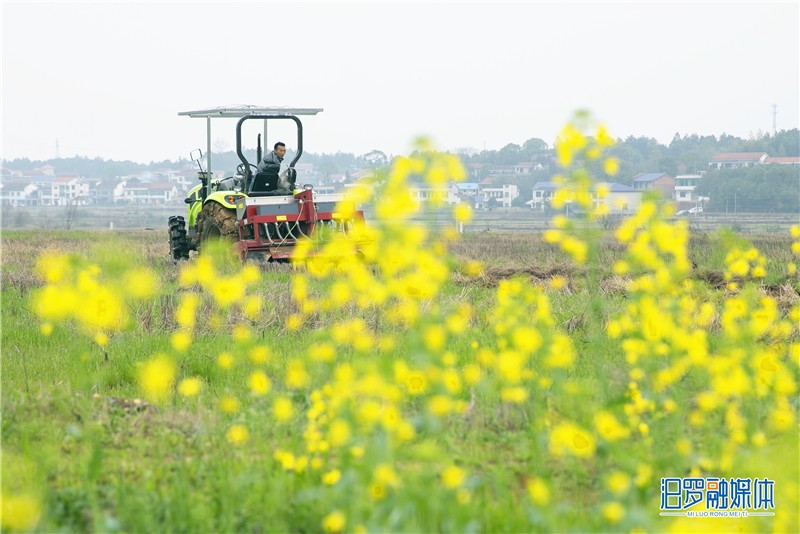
(108, 79)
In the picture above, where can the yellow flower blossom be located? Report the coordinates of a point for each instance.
(259, 383)
(613, 512)
(156, 378)
(282, 409)
(453, 477)
(538, 491)
(569, 439)
(238, 434)
(331, 477)
(190, 387)
(20, 513)
(229, 404)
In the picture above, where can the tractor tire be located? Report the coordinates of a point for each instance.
(178, 244)
(217, 222)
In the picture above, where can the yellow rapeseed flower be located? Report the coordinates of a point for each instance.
(186, 312)
(101, 309)
(339, 433)
(415, 383)
(613, 512)
(611, 166)
(472, 374)
(569, 439)
(296, 375)
(156, 378)
(259, 383)
(322, 352)
(516, 395)
(331, 477)
(53, 267)
(229, 404)
(453, 477)
(238, 434)
(282, 409)
(538, 491)
(462, 212)
(189, 387)
(294, 322)
(20, 513)
(181, 340)
(100, 338)
(618, 482)
(440, 405)
(260, 354)
(225, 360)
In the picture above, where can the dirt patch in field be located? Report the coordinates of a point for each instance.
(715, 279)
(492, 276)
(786, 295)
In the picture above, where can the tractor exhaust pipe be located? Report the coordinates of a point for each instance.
(197, 155)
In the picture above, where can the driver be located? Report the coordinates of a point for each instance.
(285, 180)
(273, 158)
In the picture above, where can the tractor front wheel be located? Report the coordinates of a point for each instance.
(217, 222)
(178, 244)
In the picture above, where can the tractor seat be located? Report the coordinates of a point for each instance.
(263, 182)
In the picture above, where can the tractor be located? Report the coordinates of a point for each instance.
(262, 212)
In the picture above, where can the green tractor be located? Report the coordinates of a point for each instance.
(262, 212)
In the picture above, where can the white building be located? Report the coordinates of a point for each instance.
(504, 195)
(542, 195)
(441, 194)
(617, 198)
(17, 193)
(62, 190)
(685, 184)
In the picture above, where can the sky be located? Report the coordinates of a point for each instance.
(107, 79)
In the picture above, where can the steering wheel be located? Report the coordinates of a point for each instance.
(240, 169)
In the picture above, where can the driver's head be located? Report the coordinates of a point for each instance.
(280, 149)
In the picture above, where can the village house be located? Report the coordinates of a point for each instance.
(542, 195)
(136, 192)
(655, 181)
(737, 160)
(19, 193)
(424, 193)
(617, 198)
(504, 195)
(527, 167)
(68, 190)
(109, 192)
(685, 185)
(790, 160)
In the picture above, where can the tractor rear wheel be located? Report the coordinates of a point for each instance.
(217, 222)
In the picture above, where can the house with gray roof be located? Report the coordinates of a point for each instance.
(655, 181)
(19, 193)
(618, 198)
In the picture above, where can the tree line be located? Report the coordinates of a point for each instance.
(774, 187)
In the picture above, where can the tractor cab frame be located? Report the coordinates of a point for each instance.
(260, 210)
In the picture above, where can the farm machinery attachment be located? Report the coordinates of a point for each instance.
(260, 210)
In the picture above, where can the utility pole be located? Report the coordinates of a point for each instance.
(774, 119)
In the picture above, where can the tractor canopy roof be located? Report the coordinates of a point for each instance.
(244, 110)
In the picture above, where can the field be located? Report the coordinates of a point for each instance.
(488, 382)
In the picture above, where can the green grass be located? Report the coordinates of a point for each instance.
(99, 463)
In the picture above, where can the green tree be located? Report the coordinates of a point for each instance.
(763, 188)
